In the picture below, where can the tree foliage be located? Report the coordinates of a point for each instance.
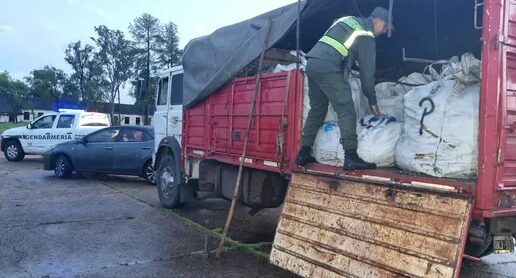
(145, 30)
(16, 91)
(167, 50)
(115, 57)
(100, 70)
(88, 72)
(48, 82)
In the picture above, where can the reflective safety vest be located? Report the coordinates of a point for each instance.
(358, 31)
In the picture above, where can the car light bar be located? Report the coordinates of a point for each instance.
(70, 110)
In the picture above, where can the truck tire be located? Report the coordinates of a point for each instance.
(168, 182)
(63, 167)
(13, 151)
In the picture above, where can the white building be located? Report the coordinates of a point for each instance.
(129, 114)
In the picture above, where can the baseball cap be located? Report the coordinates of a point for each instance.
(383, 14)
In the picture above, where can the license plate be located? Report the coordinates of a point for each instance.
(503, 244)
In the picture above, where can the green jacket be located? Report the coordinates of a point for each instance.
(363, 51)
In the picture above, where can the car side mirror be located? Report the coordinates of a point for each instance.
(29, 126)
(83, 141)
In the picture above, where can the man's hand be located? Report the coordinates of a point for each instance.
(375, 110)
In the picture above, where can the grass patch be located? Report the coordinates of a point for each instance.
(5, 126)
(231, 244)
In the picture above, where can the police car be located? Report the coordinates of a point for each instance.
(49, 130)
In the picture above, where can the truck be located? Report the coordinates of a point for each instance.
(370, 223)
(49, 130)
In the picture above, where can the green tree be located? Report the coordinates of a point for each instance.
(48, 82)
(88, 72)
(116, 60)
(167, 49)
(16, 91)
(145, 30)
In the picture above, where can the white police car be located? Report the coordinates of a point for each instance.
(49, 130)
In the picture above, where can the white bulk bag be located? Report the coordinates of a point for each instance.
(327, 148)
(440, 130)
(389, 95)
(389, 101)
(377, 139)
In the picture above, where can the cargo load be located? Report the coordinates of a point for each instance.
(441, 123)
(327, 148)
(377, 139)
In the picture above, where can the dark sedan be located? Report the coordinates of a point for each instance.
(121, 150)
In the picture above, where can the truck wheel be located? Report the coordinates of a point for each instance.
(63, 167)
(167, 181)
(13, 151)
(149, 174)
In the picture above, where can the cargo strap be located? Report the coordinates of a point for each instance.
(358, 31)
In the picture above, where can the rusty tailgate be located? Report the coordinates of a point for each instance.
(334, 227)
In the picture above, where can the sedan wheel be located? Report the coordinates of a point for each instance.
(63, 167)
(150, 174)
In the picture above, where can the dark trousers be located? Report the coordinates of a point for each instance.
(329, 87)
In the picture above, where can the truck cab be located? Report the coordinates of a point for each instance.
(169, 105)
(49, 130)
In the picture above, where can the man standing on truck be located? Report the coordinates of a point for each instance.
(349, 39)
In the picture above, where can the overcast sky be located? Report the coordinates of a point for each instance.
(34, 33)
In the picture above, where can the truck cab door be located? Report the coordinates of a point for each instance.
(175, 111)
(161, 115)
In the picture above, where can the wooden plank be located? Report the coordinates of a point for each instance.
(366, 231)
(407, 199)
(332, 227)
(336, 262)
(385, 212)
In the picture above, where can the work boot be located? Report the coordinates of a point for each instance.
(305, 156)
(353, 162)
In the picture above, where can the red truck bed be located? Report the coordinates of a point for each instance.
(215, 128)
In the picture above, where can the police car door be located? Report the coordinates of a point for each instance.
(64, 129)
(38, 137)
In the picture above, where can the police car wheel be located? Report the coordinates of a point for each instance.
(167, 182)
(63, 167)
(13, 151)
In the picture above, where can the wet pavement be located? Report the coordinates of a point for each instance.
(107, 226)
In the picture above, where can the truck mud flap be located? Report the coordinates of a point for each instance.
(335, 227)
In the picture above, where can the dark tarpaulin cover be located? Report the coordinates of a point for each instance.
(211, 61)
